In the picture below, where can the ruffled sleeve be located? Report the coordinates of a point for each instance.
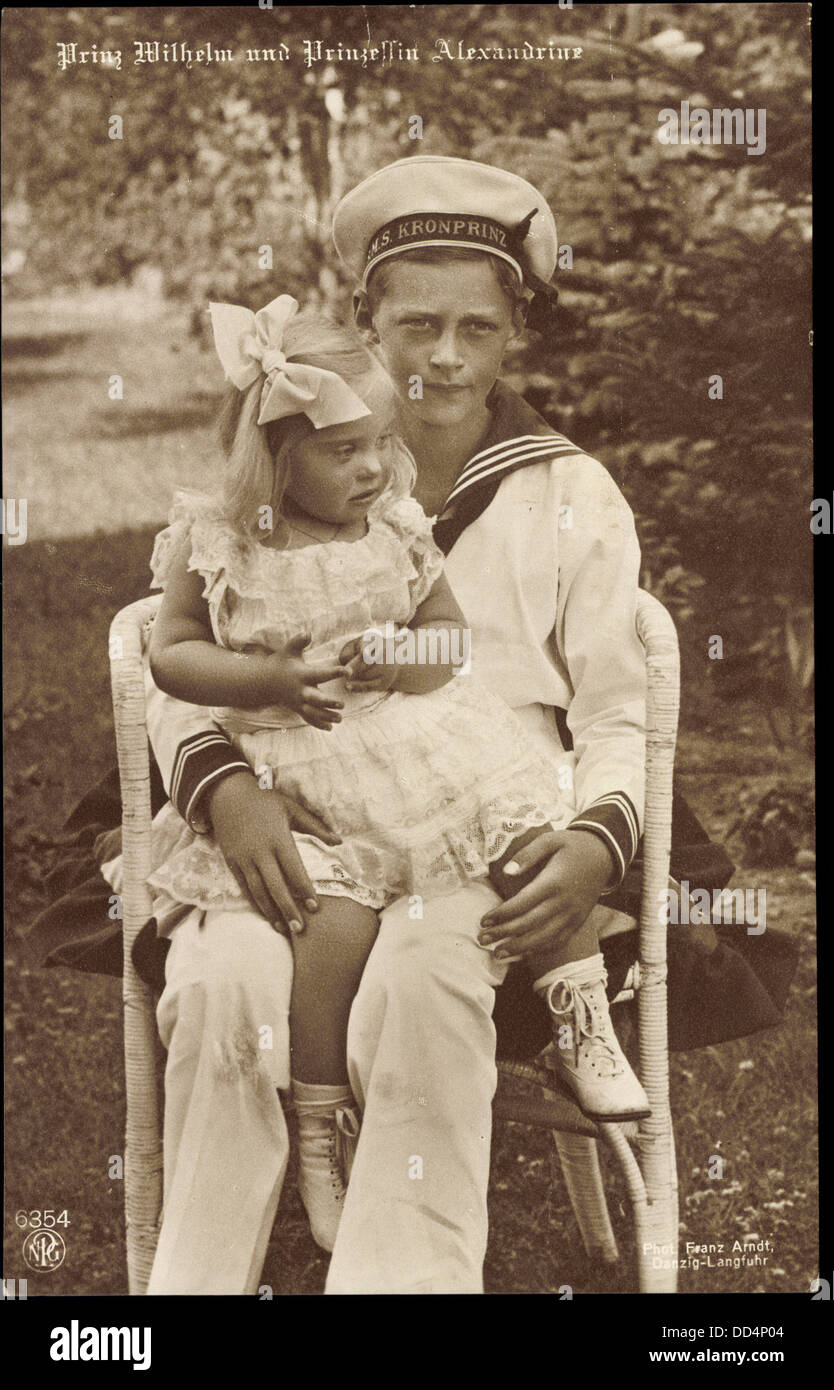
(192, 519)
(413, 529)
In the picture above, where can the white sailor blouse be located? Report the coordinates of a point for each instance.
(542, 555)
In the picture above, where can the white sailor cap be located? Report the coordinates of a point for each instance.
(433, 200)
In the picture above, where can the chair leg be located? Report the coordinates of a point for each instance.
(579, 1158)
(654, 1200)
(657, 1232)
(143, 1175)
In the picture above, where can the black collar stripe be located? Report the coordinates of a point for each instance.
(527, 455)
(544, 444)
(518, 438)
(497, 468)
(515, 460)
(513, 448)
(505, 444)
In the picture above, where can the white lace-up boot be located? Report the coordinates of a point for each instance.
(587, 1055)
(328, 1128)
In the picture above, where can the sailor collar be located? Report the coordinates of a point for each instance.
(517, 436)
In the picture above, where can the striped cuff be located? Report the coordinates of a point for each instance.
(201, 761)
(614, 819)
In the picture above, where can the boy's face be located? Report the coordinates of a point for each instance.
(449, 325)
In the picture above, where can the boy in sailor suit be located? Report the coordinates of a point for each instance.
(543, 557)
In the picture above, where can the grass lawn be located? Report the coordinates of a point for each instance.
(753, 1102)
(85, 462)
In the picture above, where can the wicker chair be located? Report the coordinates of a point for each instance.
(525, 1093)
(650, 1172)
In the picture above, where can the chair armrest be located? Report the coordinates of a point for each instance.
(127, 638)
(657, 633)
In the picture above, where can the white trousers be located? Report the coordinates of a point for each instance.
(421, 1058)
(224, 1018)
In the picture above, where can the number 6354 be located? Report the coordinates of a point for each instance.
(36, 1217)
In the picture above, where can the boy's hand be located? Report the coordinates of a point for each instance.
(362, 674)
(555, 904)
(292, 681)
(253, 828)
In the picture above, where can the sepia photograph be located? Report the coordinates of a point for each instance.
(408, 537)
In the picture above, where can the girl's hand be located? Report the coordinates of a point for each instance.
(364, 675)
(554, 905)
(292, 681)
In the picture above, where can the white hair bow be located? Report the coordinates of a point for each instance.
(250, 345)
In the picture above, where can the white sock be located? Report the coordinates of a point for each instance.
(584, 967)
(312, 1096)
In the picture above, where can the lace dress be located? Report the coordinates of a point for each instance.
(425, 790)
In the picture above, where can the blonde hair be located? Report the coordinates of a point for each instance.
(259, 457)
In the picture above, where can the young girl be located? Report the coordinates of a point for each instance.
(428, 779)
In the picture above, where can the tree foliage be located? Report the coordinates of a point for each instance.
(689, 262)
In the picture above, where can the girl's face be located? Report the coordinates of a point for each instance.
(337, 472)
(449, 325)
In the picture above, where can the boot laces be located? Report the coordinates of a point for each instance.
(325, 1143)
(347, 1134)
(588, 1029)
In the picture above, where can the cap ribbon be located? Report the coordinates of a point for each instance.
(251, 345)
(474, 232)
(541, 312)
